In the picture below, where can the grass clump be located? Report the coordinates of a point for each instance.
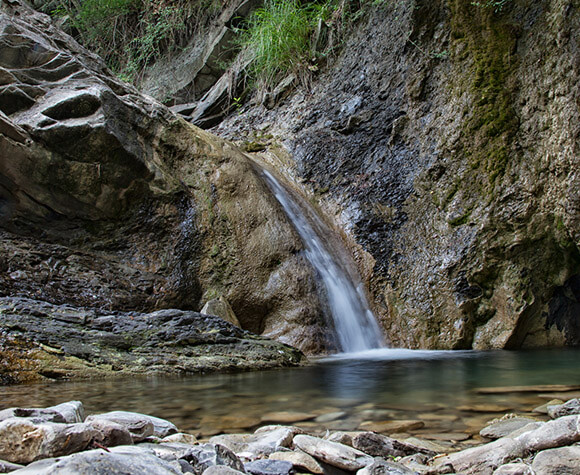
(291, 37)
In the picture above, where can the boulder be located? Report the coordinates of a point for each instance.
(383, 467)
(99, 462)
(220, 307)
(7, 467)
(109, 433)
(333, 453)
(379, 445)
(262, 443)
(515, 469)
(502, 428)
(69, 412)
(564, 460)
(209, 455)
(22, 441)
(139, 426)
(488, 457)
(568, 408)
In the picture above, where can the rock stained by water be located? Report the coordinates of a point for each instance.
(355, 327)
(444, 140)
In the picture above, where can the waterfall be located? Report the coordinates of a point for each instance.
(355, 325)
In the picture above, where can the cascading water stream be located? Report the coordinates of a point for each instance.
(355, 325)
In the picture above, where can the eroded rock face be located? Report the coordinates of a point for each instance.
(449, 154)
(109, 202)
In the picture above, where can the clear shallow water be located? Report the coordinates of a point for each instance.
(438, 388)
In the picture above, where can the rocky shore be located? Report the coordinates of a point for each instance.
(62, 440)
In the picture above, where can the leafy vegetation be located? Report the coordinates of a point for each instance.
(129, 34)
(291, 36)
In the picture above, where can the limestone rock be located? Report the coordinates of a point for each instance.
(69, 412)
(333, 453)
(382, 446)
(101, 462)
(139, 426)
(568, 408)
(299, 459)
(383, 467)
(110, 433)
(556, 433)
(221, 308)
(565, 460)
(514, 469)
(21, 441)
(543, 409)
(269, 467)
(7, 467)
(262, 443)
(209, 455)
(502, 428)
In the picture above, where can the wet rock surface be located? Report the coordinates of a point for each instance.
(447, 182)
(168, 341)
(110, 204)
(48, 447)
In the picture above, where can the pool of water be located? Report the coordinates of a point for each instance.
(441, 389)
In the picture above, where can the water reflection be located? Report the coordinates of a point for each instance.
(406, 384)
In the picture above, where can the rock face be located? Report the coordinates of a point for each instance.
(167, 341)
(444, 140)
(110, 203)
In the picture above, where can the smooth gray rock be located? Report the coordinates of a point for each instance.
(260, 444)
(502, 428)
(68, 412)
(99, 462)
(22, 441)
(568, 408)
(514, 469)
(562, 461)
(161, 427)
(383, 467)
(333, 453)
(71, 411)
(379, 445)
(7, 467)
(268, 467)
(299, 459)
(488, 457)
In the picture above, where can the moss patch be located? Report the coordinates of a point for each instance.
(487, 39)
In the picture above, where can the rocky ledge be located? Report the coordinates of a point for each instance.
(42, 340)
(61, 439)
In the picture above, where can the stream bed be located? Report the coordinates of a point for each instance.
(441, 395)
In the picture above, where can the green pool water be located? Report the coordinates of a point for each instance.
(443, 390)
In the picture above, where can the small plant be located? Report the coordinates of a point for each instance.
(129, 34)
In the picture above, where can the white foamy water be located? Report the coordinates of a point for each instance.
(355, 325)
